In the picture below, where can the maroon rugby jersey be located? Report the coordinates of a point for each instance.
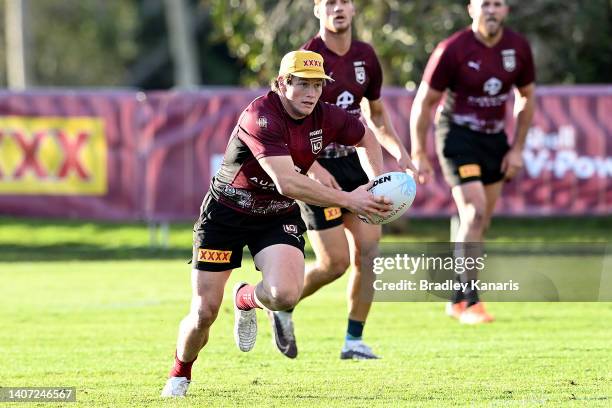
(479, 78)
(356, 74)
(265, 129)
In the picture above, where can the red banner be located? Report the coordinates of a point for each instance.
(184, 145)
(568, 156)
(70, 154)
(129, 155)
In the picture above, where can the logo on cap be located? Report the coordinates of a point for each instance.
(303, 64)
(313, 63)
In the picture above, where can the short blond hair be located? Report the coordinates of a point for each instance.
(274, 85)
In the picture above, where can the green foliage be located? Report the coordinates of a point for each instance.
(80, 43)
(571, 40)
(154, 68)
(240, 42)
(261, 32)
(405, 33)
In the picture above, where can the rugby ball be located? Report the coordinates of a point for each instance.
(400, 188)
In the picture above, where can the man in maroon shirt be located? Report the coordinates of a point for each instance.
(251, 203)
(475, 69)
(337, 236)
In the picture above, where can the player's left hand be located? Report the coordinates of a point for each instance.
(512, 163)
(405, 163)
(320, 174)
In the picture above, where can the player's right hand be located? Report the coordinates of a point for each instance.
(364, 203)
(424, 168)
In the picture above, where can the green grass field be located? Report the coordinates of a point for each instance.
(90, 305)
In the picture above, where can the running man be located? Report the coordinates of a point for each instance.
(251, 202)
(338, 237)
(476, 69)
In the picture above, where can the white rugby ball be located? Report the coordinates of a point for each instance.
(397, 186)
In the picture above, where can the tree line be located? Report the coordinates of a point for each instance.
(124, 43)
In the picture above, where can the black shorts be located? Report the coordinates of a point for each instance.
(221, 233)
(466, 155)
(349, 175)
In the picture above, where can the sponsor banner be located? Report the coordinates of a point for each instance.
(568, 156)
(52, 156)
(183, 151)
(72, 154)
(129, 155)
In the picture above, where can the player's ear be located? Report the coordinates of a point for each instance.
(470, 9)
(283, 82)
(315, 10)
(506, 9)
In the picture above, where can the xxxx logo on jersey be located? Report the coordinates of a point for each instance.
(214, 255)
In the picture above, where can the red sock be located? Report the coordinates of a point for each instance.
(245, 298)
(181, 369)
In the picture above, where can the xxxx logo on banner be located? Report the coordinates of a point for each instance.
(52, 156)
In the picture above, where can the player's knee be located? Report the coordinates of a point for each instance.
(486, 225)
(205, 316)
(336, 266)
(365, 254)
(476, 217)
(283, 298)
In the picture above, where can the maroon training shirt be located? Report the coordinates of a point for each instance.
(356, 74)
(265, 129)
(479, 78)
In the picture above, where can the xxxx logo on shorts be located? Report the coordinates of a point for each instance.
(331, 213)
(469, 170)
(214, 255)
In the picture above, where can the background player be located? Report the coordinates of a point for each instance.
(338, 237)
(477, 68)
(251, 202)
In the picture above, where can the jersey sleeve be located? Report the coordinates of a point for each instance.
(262, 135)
(347, 129)
(376, 79)
(438, 72)
(527, 74)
